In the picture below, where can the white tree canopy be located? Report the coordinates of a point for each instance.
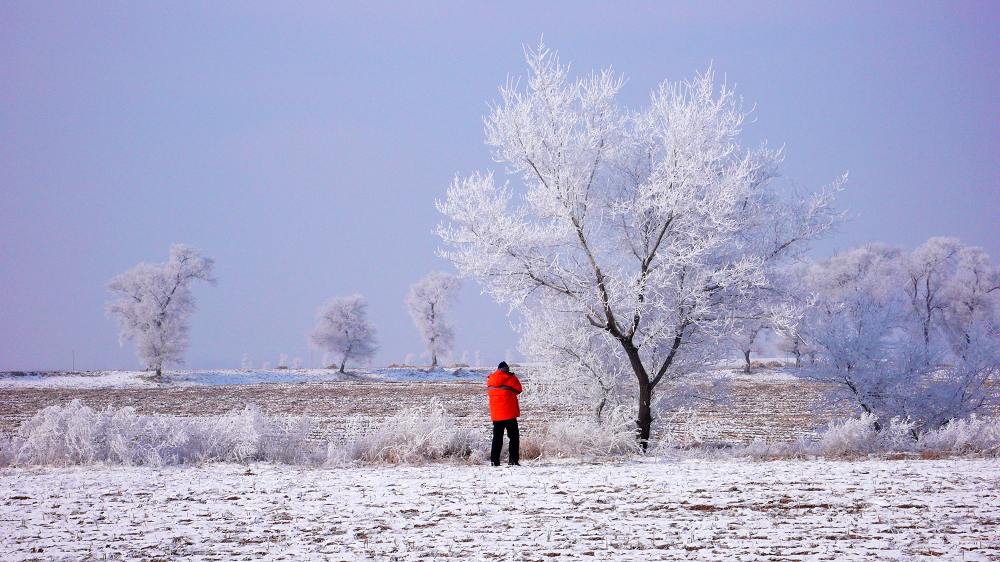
(343, 329)
(648, 230)
(154, 302)
(428, 303)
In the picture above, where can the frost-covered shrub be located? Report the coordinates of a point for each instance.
(854, 437)
(77, 434)
(429, 433)
(5, 450)
(584, 438)
(858, 436)
(766, 450)
(974, 435)
(413, 435)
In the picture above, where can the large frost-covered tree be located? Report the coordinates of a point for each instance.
(428, 303)
(344, 330)
(154, 302)
(907, 335)
(636, 236)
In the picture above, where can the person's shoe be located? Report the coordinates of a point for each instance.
(514, 464)
(495, 464)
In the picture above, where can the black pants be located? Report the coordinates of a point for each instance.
(498, 428)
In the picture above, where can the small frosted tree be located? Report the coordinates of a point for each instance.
(745, 335)
(343, 329)
(154, 302)
(649, 230)
(954, 295)
(428, 303)
(854, 312)
(927, 272)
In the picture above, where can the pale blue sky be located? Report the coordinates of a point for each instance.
(303, 146)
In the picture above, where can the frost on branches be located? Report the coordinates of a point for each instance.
(344, 330)
(154, 304)
(428, 303)
(630, 241)
(914, 336)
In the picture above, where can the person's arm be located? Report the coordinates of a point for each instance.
(513, 384)
(505, 387)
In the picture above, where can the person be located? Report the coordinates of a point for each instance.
(502, 387)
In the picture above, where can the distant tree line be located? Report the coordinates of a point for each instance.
(154, 303)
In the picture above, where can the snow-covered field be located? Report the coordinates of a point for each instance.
(689, 510)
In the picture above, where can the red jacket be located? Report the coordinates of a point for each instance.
(503, 388)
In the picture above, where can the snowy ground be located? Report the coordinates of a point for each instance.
(690, 510)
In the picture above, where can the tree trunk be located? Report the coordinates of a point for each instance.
(159, 372)
(644, 419)
(746, 360)
(599, 411)
(434, 360)
(342, 363)
(644, 422)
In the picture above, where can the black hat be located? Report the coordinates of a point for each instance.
(503, 367)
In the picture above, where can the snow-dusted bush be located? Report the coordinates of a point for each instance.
(860, 437)
(430, 433)
(78, 434)
(75, 434)
(976, 435)
(5, 450)
(614, 437)
(413, 435)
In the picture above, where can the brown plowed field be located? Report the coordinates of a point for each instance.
(768, 410)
